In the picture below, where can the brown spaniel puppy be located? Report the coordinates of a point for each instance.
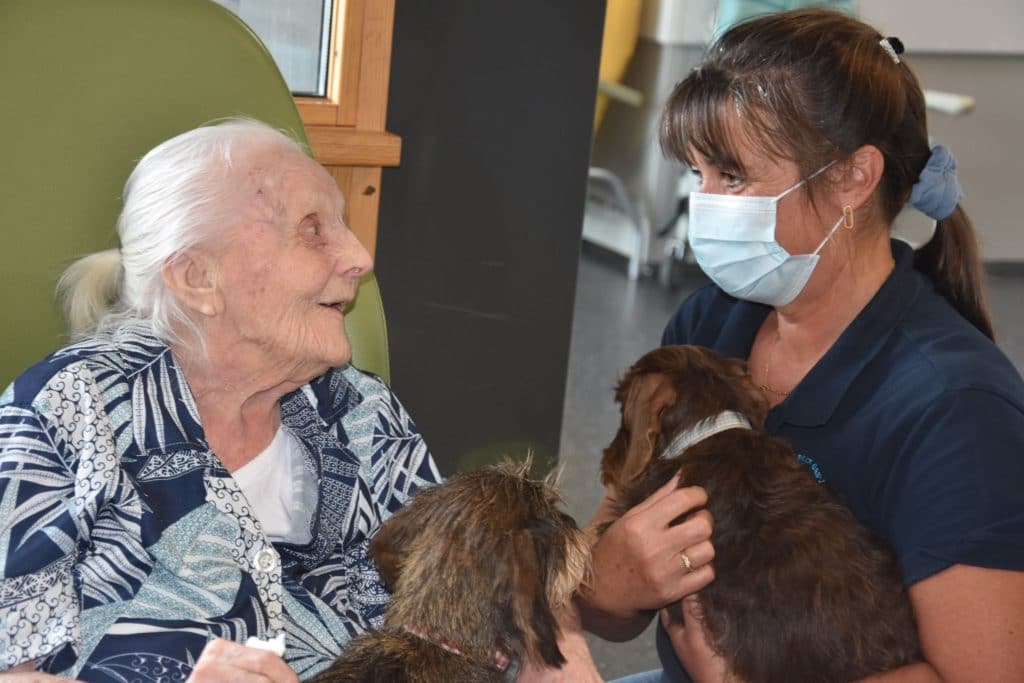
(802, 591)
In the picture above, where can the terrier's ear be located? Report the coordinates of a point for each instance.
(391, 544)
(531, 613)
(571, 568)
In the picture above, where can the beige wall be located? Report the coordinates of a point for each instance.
(988, 143)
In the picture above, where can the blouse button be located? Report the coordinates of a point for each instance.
(266, 560)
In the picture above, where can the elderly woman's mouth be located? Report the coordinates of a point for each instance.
(339, 306)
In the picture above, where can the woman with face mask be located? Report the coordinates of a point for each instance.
(807, 132)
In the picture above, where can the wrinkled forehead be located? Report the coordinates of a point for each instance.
(273, 183)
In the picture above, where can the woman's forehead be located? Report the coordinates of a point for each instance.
(735, 136)
(281, 179)
(740, 148)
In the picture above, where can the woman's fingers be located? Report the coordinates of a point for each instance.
(655, 498)
(670, 502)
(684, 624)
(695, 529)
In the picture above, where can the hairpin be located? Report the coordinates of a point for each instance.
(893, 46)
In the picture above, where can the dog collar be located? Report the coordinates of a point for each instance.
(725, 420)
(501, 660)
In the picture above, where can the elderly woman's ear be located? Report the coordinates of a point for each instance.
(192, 278)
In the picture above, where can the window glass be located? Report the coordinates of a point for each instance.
(298, 35)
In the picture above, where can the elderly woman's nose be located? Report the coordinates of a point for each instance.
(353, 258)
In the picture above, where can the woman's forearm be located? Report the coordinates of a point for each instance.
(616, 628)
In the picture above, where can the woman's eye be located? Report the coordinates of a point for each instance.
(732, 181)
(313, 229)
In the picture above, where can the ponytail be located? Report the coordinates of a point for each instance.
(951, 260)
(89, 290)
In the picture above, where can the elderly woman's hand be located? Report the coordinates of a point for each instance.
(26, 673)
(224, 661)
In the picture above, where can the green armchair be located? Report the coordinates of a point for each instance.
(88, 88)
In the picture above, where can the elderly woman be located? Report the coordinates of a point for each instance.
(203, 467)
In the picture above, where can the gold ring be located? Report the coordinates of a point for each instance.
(686, 561)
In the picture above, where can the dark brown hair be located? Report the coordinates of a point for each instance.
(813, 86)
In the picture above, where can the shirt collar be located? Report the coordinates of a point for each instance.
(815, 399)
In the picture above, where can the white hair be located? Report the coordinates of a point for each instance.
(178, 196)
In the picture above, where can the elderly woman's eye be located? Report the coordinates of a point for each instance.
(313, 228)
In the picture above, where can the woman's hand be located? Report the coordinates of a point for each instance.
(684, 624)
(639, 563)
(579, 666)
(224, 661)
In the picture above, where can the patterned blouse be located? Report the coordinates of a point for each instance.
(125, 545)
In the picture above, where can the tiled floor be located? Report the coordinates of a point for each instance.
(615, 322)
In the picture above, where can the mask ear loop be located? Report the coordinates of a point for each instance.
(804, 181)
(841, 221)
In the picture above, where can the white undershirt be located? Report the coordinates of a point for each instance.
(280, 489)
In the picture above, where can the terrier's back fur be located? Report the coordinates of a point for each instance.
(477, 565)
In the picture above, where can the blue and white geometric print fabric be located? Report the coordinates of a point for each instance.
(125, 545)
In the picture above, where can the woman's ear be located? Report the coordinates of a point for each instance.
(858, 177)
(192, 278)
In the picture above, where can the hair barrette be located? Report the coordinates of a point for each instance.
(893, 47)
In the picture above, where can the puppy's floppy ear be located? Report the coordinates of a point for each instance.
(531, 614)
(752, 400)
(643, 412)
(643, 396)
(614, 457)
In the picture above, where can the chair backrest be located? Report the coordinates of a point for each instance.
(87, 88)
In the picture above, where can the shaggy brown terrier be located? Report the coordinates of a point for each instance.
(802, 591)
(477, 565)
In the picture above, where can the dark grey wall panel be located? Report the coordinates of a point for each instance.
(480, 225)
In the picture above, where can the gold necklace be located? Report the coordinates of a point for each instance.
(765, 387)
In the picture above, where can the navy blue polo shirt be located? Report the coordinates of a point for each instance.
(913, 416)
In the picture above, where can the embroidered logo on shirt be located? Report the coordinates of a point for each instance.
(812, 467)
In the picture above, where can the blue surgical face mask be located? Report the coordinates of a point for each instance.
(733, 240)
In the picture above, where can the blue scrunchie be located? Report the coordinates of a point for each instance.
(937, 190)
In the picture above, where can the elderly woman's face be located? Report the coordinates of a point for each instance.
(289, 265)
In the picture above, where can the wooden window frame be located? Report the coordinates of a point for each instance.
(346, 128)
